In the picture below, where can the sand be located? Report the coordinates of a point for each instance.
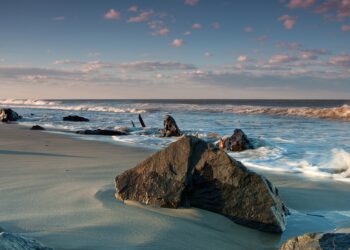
(60, 191)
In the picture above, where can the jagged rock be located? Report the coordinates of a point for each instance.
(75, 118)
(318, 241)
(191, 172)
(236, 142)
(8, 115)
(10, 241)
(101, 132)
(170, 127)
(37, 127)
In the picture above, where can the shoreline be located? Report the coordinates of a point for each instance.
(55, 187)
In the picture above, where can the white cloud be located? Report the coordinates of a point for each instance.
(196, 26)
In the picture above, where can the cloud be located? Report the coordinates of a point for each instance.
(341, 7)
(282, 58)
(59, 18)
(133, 8)
(293, 4)
(288, 45)
(288, 21)
(142, 17)
(216, 25)
(340, 60)
(191, 2)
(161, 32)
(67, 61)
(307, 55)
(187, 33)
(112, 14)
(155, 66)
(177, 43)
(248, 29)
(208, 54)
(262, 38)
(196, 26)
(345, 28)
(242, 58)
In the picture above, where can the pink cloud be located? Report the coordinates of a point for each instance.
(288, 21)
(133, 8)
(242, 58)
(293, 4)
(142, 17)
(345, 28)
(307, 55)
(282, 58)
(196, 26)
(341, 7)
(340, 60)
(287, 45)
(161, 32)
(248, 29)
(216, 25)
(177, 43)
(191, 2)
(112, 14)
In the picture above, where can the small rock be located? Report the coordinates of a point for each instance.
(11, 241)
(236, 142)
(318, 241)
(75, 118)
(101, 132)
(8, 115)
(37, 127)
(170, 127)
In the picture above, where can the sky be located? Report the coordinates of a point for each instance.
(144, 49)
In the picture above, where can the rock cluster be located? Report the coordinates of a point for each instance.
(75, 118)
(101, 132)
(238, 141)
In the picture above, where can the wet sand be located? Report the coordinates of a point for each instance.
(60, 191)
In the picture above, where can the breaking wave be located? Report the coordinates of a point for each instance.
(340, 113)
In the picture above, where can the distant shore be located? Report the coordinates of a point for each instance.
(60, 191)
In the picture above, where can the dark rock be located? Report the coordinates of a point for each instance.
(10, 241)
(170, 127)
(318, 241)
(237, 142)
(141, 121)
(37, 127)
(101, 132)
(191, 172)
(75, 118)
(8, 115)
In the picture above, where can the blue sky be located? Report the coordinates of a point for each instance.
(175, 49)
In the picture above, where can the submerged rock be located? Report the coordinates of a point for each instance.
(318, 241)
(37, 127)
(75, 118)
(101, 132)
(190, 172)
(10, 241)
(236, 142)
(170, 127)
(8, 115)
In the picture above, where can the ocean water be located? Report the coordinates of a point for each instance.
(309, 138)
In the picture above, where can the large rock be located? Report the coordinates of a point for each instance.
(170, 127)
(318, 241)
(190, 172)
(236, 142)
(8, 115)
(10, 241)
(101, 132)
(75, 118)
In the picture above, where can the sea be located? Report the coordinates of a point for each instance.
(300, 137)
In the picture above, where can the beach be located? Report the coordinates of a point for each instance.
(60, 191)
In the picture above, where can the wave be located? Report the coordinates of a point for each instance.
(341, 113)
(57, 105)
